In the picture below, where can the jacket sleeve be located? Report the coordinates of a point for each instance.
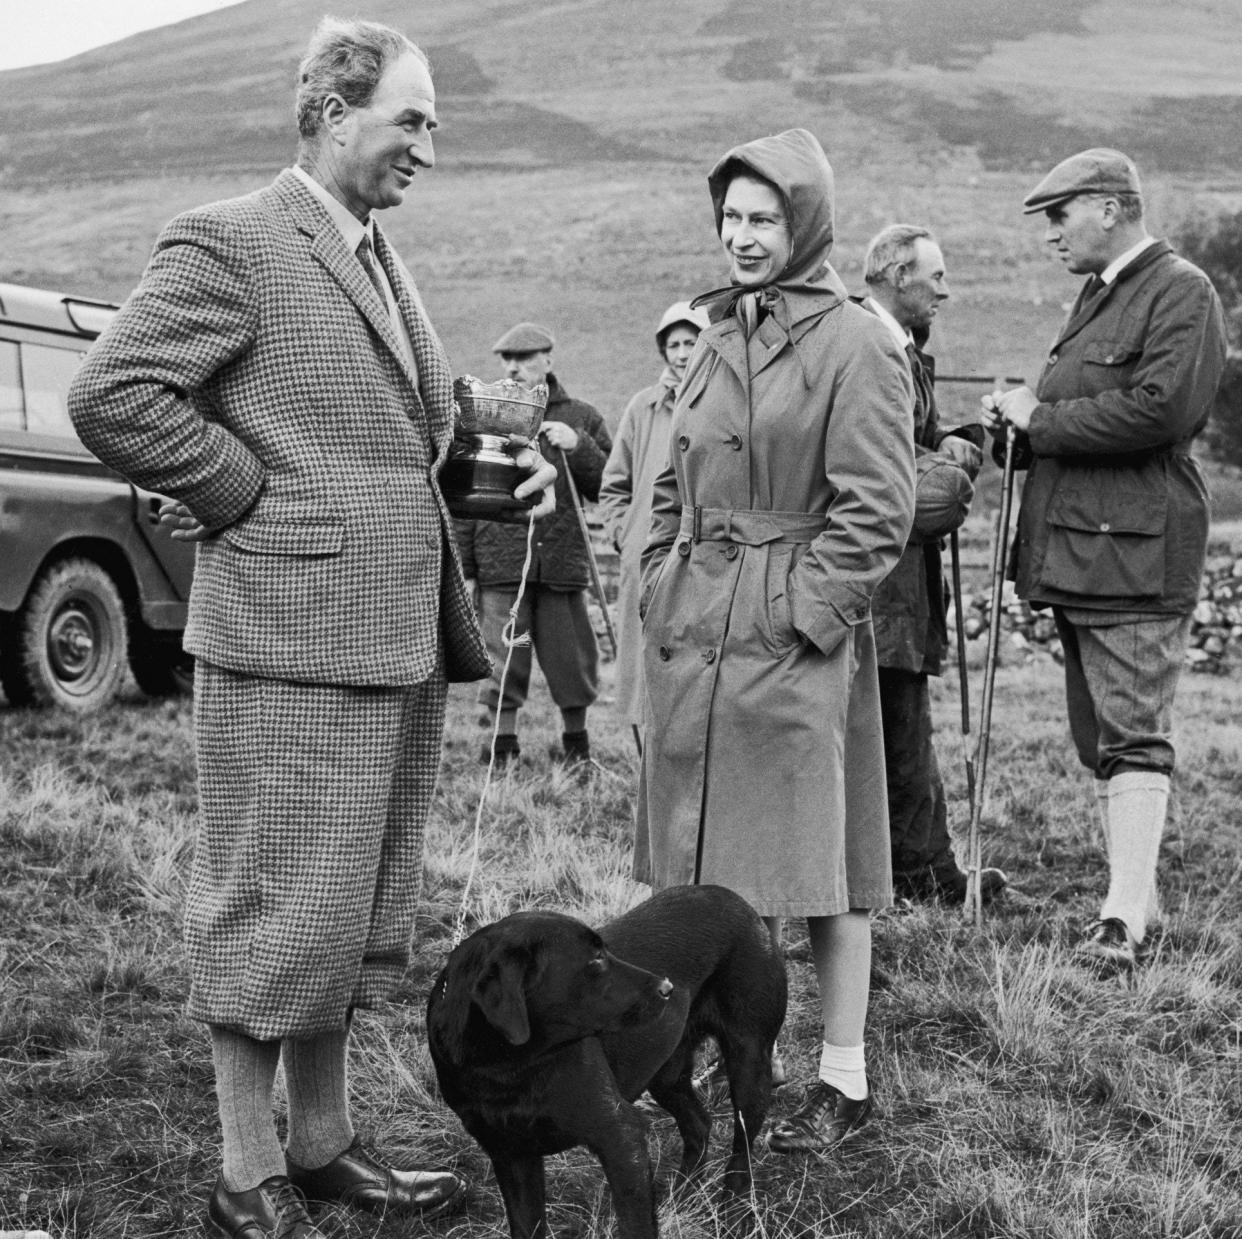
(586, 461)
(141, 400)
(869, 460)
(1170, 391)
(616, 490)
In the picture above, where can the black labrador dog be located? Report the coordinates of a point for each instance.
(543, 1031)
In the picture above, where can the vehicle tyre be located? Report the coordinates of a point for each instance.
(66, 646)
(160, 666)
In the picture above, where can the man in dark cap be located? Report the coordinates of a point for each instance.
(1113, 528)
(553, 610)
(906, 284)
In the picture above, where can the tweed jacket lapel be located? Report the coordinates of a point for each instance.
(435, 384)
(328, 248)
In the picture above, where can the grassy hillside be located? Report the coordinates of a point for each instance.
(576, 137)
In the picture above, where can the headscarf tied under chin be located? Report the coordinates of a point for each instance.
(795, 163)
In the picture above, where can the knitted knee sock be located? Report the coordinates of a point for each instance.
(245, 1073)
(1154, 912)
(317, 1081)
(843, 1067)
(1137, 803)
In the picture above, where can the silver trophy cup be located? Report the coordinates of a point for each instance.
(479, 476)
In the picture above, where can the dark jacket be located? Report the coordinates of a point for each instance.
(909, 608)
(1115, 509)
(493, 552)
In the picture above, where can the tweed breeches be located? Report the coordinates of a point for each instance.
(313, 801)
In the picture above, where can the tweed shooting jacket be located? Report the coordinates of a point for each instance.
(255, 375)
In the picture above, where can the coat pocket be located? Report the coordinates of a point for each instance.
(1106, 543)
(322, 536)
(781, 635)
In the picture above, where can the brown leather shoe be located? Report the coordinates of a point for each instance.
(825, 1117)
(356, 1178)
(273, 1210)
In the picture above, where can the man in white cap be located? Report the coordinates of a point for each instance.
(1113, 528)
(554, 610)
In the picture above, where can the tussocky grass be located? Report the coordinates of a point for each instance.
(1019, 1094)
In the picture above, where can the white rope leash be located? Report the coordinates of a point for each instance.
(510, 639)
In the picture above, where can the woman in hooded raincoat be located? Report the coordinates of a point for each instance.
(788, 498)
(639, 455)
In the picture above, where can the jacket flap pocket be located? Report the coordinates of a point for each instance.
(1093, 511)
(1111, 352)
(323, 536)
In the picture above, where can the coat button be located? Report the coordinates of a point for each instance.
(683, 549)
(709, 656)
(735, 442)
(1052, 359)
(683, 442)
(665, 655)
(731, 551)
(1105, 527)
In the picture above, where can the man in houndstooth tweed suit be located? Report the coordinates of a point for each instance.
(276, 375)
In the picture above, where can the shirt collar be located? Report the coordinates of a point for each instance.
(1114, 268)
(900, 334)
(349, 225)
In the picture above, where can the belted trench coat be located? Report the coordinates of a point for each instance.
(788, 498)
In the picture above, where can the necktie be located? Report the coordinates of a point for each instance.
(368, 265)
(1094, 285)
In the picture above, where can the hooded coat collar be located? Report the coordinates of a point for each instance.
(795, 163)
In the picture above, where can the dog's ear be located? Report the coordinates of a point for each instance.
(500, 993)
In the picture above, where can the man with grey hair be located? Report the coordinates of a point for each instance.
(276, 375)
(1112, 533)
(906, 284)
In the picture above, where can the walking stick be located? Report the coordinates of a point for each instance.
(974, 892)
(962, 678)
(596, 583)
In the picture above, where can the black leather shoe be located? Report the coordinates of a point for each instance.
(354, 1177)
(273, 1210)
(508, 752)
(825, 1117)
(1109, 943)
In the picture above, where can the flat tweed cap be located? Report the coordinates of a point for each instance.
(524, 338)
(1097, 171)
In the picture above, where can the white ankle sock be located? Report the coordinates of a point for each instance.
(844, 1067)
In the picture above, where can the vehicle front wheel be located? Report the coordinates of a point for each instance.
(66, 646)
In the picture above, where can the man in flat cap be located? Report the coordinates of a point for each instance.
(554, 610)
(1113, 528)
